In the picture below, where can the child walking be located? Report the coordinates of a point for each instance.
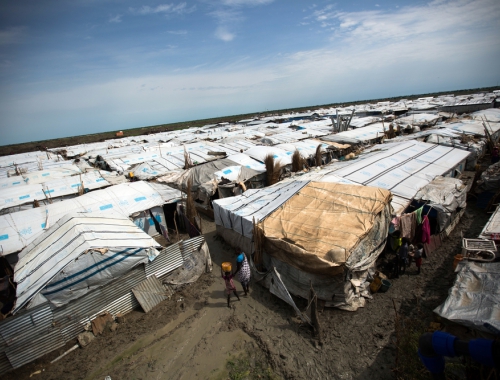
(230, 288)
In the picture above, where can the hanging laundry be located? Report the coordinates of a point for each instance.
(418, 213)
(426, 230)
(394, 225)
(395, 222)
(408, 225)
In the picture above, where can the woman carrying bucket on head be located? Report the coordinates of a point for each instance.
(243, 269)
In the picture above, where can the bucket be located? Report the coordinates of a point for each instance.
(226, 267)
(458, 258)
(386, 284)
(376, 284)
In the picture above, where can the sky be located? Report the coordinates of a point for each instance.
(86, 66)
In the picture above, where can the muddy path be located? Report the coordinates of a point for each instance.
(194, 334)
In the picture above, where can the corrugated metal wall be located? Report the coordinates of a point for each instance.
(40, 330)
(169, 259)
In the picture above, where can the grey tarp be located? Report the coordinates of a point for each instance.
(203, 177)
(474, 299)
(78, 253)
(445, 195)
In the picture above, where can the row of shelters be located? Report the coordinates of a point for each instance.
(311, 198)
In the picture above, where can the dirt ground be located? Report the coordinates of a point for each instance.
(194, 335)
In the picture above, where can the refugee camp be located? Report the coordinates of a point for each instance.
(321, 211)
(249, 189)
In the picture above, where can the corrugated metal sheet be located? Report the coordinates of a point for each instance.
(25, 352)
(26, 326)
(188, 247)
(40, 330)
(168, 260)
(5, 365)
(149, 293)
(72, 318)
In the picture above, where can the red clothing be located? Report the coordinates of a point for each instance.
(418, 262)
(426, 231)
(229, 283)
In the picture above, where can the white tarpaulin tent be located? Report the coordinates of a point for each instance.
(40, 176)
(170, 157)
(260, 152)
(19, 195)
(247, 161)
(17, 230)
(22, 158)
(237, 213)
(79, 253)
(404, 168)
(35, 166)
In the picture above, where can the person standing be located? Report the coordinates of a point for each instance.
(243, 269)
(230, 288)
(418, 256)
(402, 258)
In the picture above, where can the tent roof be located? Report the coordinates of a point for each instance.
(20, 228)
(71, 236)
(327, 220)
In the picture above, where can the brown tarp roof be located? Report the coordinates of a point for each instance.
(318, 228)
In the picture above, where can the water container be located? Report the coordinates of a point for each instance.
(386, 284)
(226, 267)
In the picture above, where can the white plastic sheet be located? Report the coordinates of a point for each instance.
(17, 230)
(237, 213)
(70, 245)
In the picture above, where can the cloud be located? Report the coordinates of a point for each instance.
(180, 8)
(222, 34)
(411, 22)
(229, 13)
(116, 19)
(12, 35)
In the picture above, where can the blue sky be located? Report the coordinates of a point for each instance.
(85, 66)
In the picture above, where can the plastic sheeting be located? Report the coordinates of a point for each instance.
(319, 228)
(490, 114)
(170, 157)
(238, 212)
(17, 230)
(260, 152)
(474, 298)
(54, 188)
(474, 127)
(247, 161)
(404, 168)
(418, 119)
(23, 158)
(492, 228)
(40, 176)
(278, 288)
(77, 254)
(450, 193)
(306, 148)
(29, 167)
